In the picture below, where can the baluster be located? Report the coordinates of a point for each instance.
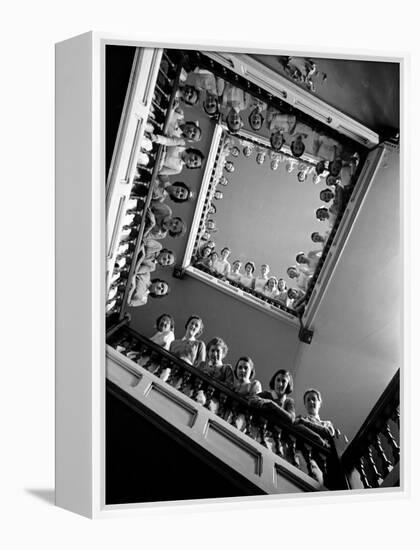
(134, 356)
(131, 226)
(161, 367)
(185, 379)
(386, 463)
(151, 363)
(119, 270)
(171, 63)
(307, 455)
(209, 396)
(393, 444)
(293, 452)
(248, 423)
(173, 377)
(161, 73)
(222, 408)
(263, 431)
(277, 436)
(235, 414)
(157, 106)
(165, 95)
(376, 475)
(360, 467)
(198, 394)
(322, 462)
(396, 417)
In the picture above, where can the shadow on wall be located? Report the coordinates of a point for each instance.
(271, 343)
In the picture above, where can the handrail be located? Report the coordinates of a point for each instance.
(288, 442)
(208, 61)
(154, 175)
(387, 402)
(250, 291)
(170, 358)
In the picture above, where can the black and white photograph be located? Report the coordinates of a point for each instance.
(253, 274)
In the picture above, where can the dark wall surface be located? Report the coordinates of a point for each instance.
(118, 63)
(143, 464)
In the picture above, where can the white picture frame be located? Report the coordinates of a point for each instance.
(81, 284)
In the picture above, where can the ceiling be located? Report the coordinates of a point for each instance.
(367, 91)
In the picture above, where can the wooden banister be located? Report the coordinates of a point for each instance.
(286, 439)
(153, 177)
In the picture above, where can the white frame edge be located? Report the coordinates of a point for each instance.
(78, 319)
(80, 286)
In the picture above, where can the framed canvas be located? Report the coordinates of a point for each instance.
(229, 274)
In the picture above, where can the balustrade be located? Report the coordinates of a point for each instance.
(375, 450)
(162, 103)
(284, 440)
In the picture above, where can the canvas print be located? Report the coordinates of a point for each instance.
(253, 274)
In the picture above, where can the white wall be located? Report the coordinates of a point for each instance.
(357, 340)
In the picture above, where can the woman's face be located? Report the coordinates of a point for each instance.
(322, 214)
(236, 267)
(292, 273)
(298, 147)
(264, 270)
(234, 120)
(249, 269)
(312, 403)
(192, 160)
(272, 284)
(159, 289)
(281, 382)
(277, 141)
(175, 225)
(164, 324)
(194, 327)
(216, 354)
(326, 195)
(180, 192)
(210, 104)
(225, 253)
(282, 285)
(243, 370)
(256, 120)
(166, 259)
(191, 131)
(190, 94)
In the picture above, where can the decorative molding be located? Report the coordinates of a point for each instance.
(261, 467)
(195, 225)
(130, 133)
(287, 91)
(345, 228)
(249, 299)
